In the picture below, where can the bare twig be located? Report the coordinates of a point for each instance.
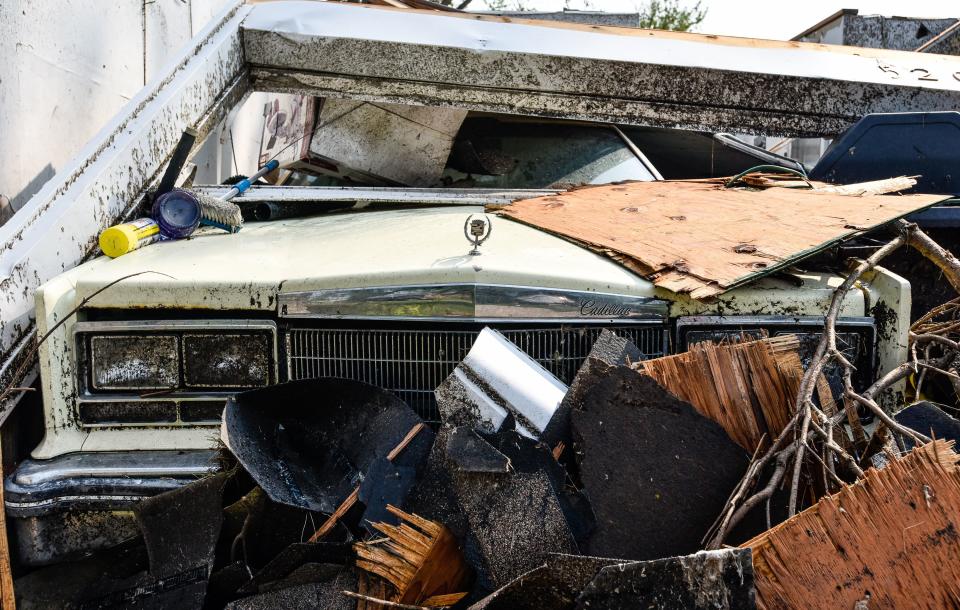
(28, 359)
(826, 352)
(930, 367)
(387, 603)
(933, 338)
(812, 429)
(735, 517)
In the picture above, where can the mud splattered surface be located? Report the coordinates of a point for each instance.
(516, 519)
(711, 580)
(669, 476)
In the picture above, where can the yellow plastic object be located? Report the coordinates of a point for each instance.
(119, 239)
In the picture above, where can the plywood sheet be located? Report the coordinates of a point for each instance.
(889, 541)
(702, 238)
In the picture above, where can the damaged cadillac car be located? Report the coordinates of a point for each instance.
(385, 285)
(383, 246)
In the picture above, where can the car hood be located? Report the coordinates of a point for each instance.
(248, 269)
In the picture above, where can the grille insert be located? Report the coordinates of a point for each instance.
(411, 363)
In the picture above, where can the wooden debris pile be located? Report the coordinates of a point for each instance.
(749, 388)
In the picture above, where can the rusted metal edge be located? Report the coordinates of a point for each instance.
(404, 56)
(58, 227)
(703, 117)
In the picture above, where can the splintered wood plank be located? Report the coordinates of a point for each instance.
(748, 388)
(421, 559)
(7, 599)
(701, 238)
(890, 541)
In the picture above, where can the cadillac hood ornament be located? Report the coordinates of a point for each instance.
(477, 231)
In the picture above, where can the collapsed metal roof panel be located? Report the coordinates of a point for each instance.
(598, 73)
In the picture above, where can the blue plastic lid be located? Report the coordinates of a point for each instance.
(177, 213)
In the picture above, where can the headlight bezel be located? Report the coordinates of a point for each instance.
(178, 333)
(862, 327)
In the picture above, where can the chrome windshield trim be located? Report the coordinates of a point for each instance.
(472, 302)
(362, 196)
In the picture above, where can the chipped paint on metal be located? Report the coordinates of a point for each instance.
(700, 83)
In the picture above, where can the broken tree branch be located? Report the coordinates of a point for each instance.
(826, 353)
(811, 428)
(932, 251)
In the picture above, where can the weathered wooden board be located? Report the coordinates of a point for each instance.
(889, 541)
(702, 238)
(748, 388)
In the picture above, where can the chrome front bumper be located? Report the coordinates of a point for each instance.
(81, 502)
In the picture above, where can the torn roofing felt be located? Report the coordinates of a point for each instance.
(748, 388)
(701, 238)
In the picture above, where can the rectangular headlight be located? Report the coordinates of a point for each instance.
(855, 338)
(227, 360)
(174, 372)
(148, 362)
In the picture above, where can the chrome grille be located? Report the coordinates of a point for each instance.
(411, 363)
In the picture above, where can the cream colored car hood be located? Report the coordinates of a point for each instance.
(346, 250)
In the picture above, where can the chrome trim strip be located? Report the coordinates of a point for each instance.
(178, 325)
(472, 302)
(768, 321)
(126, 464)
(376, 195)
(166, 397)
(53, 502)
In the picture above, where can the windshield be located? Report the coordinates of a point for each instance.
(490, 152)
(494, 153)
